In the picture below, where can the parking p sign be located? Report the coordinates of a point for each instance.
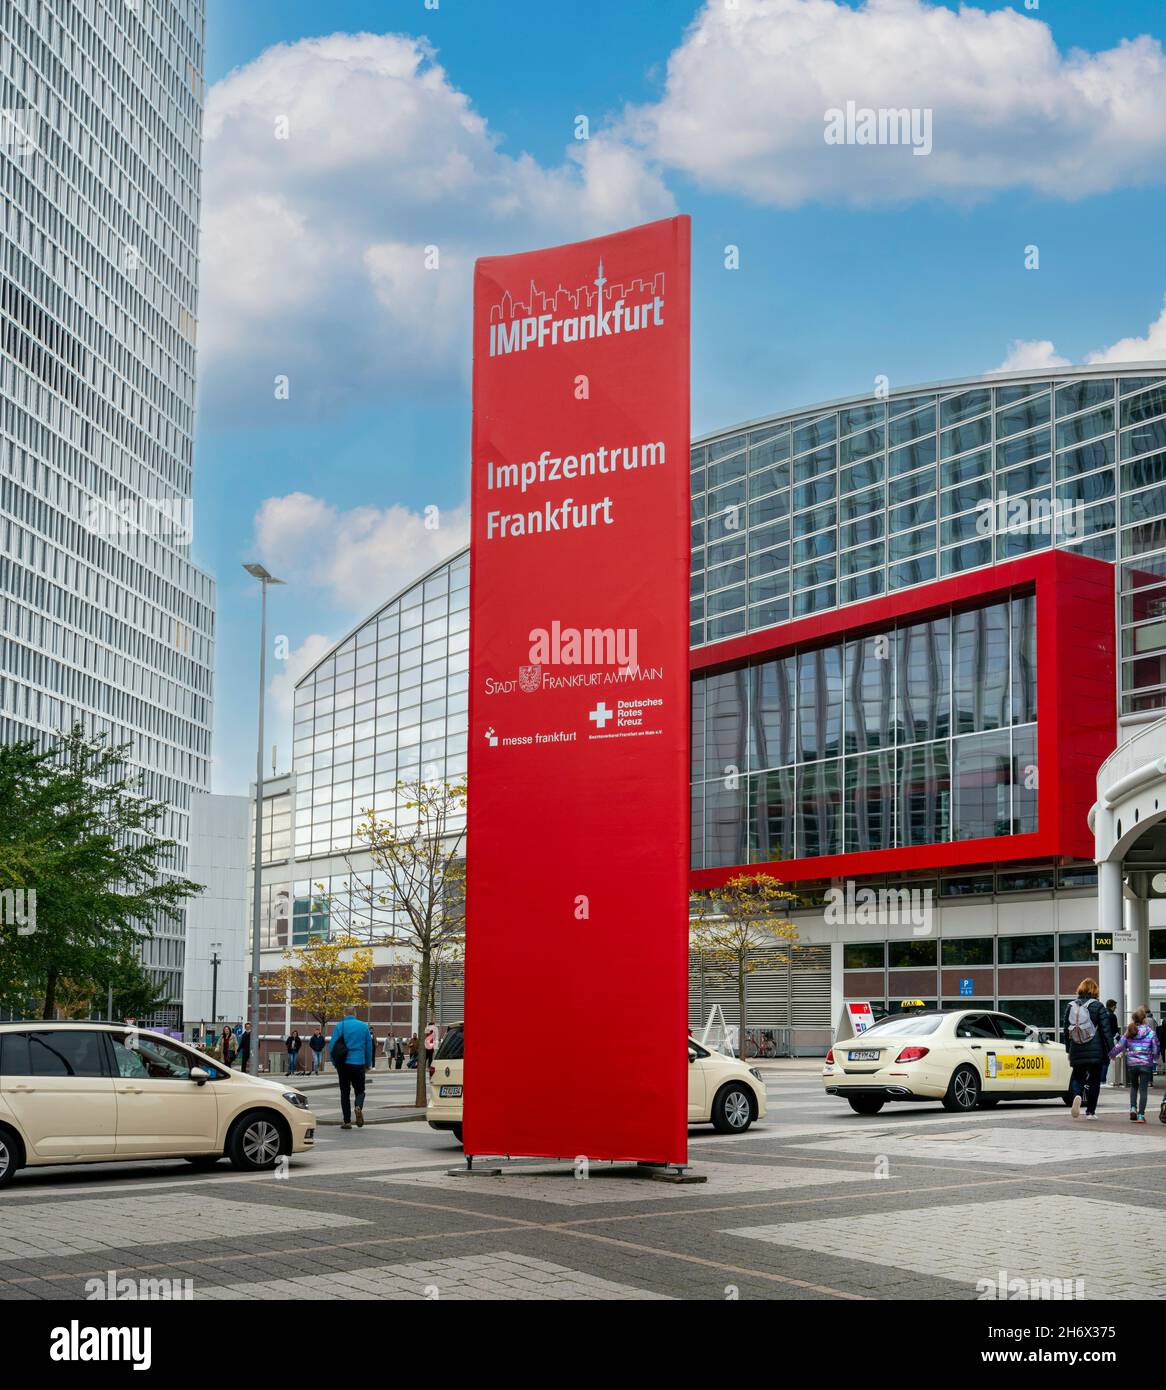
(966, 986)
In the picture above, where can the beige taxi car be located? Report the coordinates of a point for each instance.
(722, 1091)
(99, 1092)
(964, 1058)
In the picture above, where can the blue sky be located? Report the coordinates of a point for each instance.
(1049, 129)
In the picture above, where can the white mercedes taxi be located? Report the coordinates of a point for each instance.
(965, 1058)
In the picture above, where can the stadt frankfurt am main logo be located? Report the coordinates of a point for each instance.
(530, 678)
(600, 656)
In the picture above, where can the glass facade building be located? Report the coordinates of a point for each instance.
(104, 620)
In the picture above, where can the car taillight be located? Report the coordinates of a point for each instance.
(912, 1054)
(432, 1070)
(830, 1055)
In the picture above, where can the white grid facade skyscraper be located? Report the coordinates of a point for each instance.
(104, 620)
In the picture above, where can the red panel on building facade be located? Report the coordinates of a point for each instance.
(1076, 703)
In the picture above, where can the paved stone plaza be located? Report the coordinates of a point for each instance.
(815, 1203)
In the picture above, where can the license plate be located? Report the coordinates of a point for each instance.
(862, 1056)
(449, 1092)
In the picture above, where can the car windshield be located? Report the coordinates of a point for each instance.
(903, 1026)
(452, 1045)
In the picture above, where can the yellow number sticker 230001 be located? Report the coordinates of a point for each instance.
(1022, 1064)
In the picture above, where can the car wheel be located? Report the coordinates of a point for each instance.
(963, 1091)
(987, 1102)
(10, 1156)
(457, 1133)
(203, 1160)
(866, 1105)
(256, 1142)
(732, 1110)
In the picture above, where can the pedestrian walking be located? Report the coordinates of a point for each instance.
(317, 1043)
(1115, 1029)
(399, 1052)
(351, 1052)
(227, 1045)
(390, 1047)
(293, 1044)
(430, 1042)
(412, 1048)
(245, 1048)
(1089, 1037)
(1139, 1042)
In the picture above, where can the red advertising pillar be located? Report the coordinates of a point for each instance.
(577, 845)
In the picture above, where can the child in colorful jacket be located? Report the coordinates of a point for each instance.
(1139, 1042)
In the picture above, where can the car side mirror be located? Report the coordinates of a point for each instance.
(691, 1058)
(199, 1075)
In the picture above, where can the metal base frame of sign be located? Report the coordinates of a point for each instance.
(658, 1172)
(469, 1171)
(672, 1172)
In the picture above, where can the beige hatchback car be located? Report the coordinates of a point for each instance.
(722, 1091)
(100, 1092)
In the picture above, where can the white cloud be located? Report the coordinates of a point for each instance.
(1025, 355)
(746, 92)
(314, 246)
(1037, 353)
(1151, 348)
(359, 558)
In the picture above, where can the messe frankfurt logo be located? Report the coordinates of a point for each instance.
(491, 738)
(598, 310)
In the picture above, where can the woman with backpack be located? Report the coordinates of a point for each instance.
(1140, 1045)
(1088, 1036)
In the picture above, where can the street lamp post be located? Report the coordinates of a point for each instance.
(257, 571)
(216, 961)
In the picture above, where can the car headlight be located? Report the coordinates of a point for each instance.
(754, 1072)
(295, 1098)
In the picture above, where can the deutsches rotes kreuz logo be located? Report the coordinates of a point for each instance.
(598, 310)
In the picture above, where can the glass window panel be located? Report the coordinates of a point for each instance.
(870, 803)
(915, 485)
(811, 493)
(770, 454)
(968, 950)
(765, 536)
(1036, 949)
(965, 557)
(860, 475)
(919, 571)
(913, 456)
(812, 547)
(1024, 670)
(1083, 427)
(860, 417)
(862, 586)
(772, 722)
(817, 572)
(905, 428)
(766, 480)
(924, 680)
(815, 600)
(963, 469)
(1027, 446)
(726, 822)
(726, 550)
(970, 436)
(964, 406)
(860, 504)
(924, 789)
(912, 514)
(769, 614)
(1143, 407)
(1143, 439)
(870, 692)
(811, 465)
(911, 543)
(768, 509)
(902, 404)
(1024, 416)
(725, 600)
(1144, 506)
(1081, 395)
(819, 826)
(1099, 454)
(980, 786)
(860, 446)
(769, 561)
(724, 575)
(1024, 779)
(958, 499)
(726, 714)
(721, 448)
(772, 814)
(1089, 488)
(717, 629)
(1129, 384)
(769, 586)
(1024, 478)
(731, 495)
(980, 678)
(854, 561)
(1143, 472)
(867, 528)
(819, 703)
(811, 435)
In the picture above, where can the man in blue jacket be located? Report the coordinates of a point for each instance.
(351, 1051)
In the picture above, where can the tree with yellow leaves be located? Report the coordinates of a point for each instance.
(739, 928)
(325, 976)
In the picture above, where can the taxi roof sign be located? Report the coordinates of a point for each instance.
(912, 1004)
